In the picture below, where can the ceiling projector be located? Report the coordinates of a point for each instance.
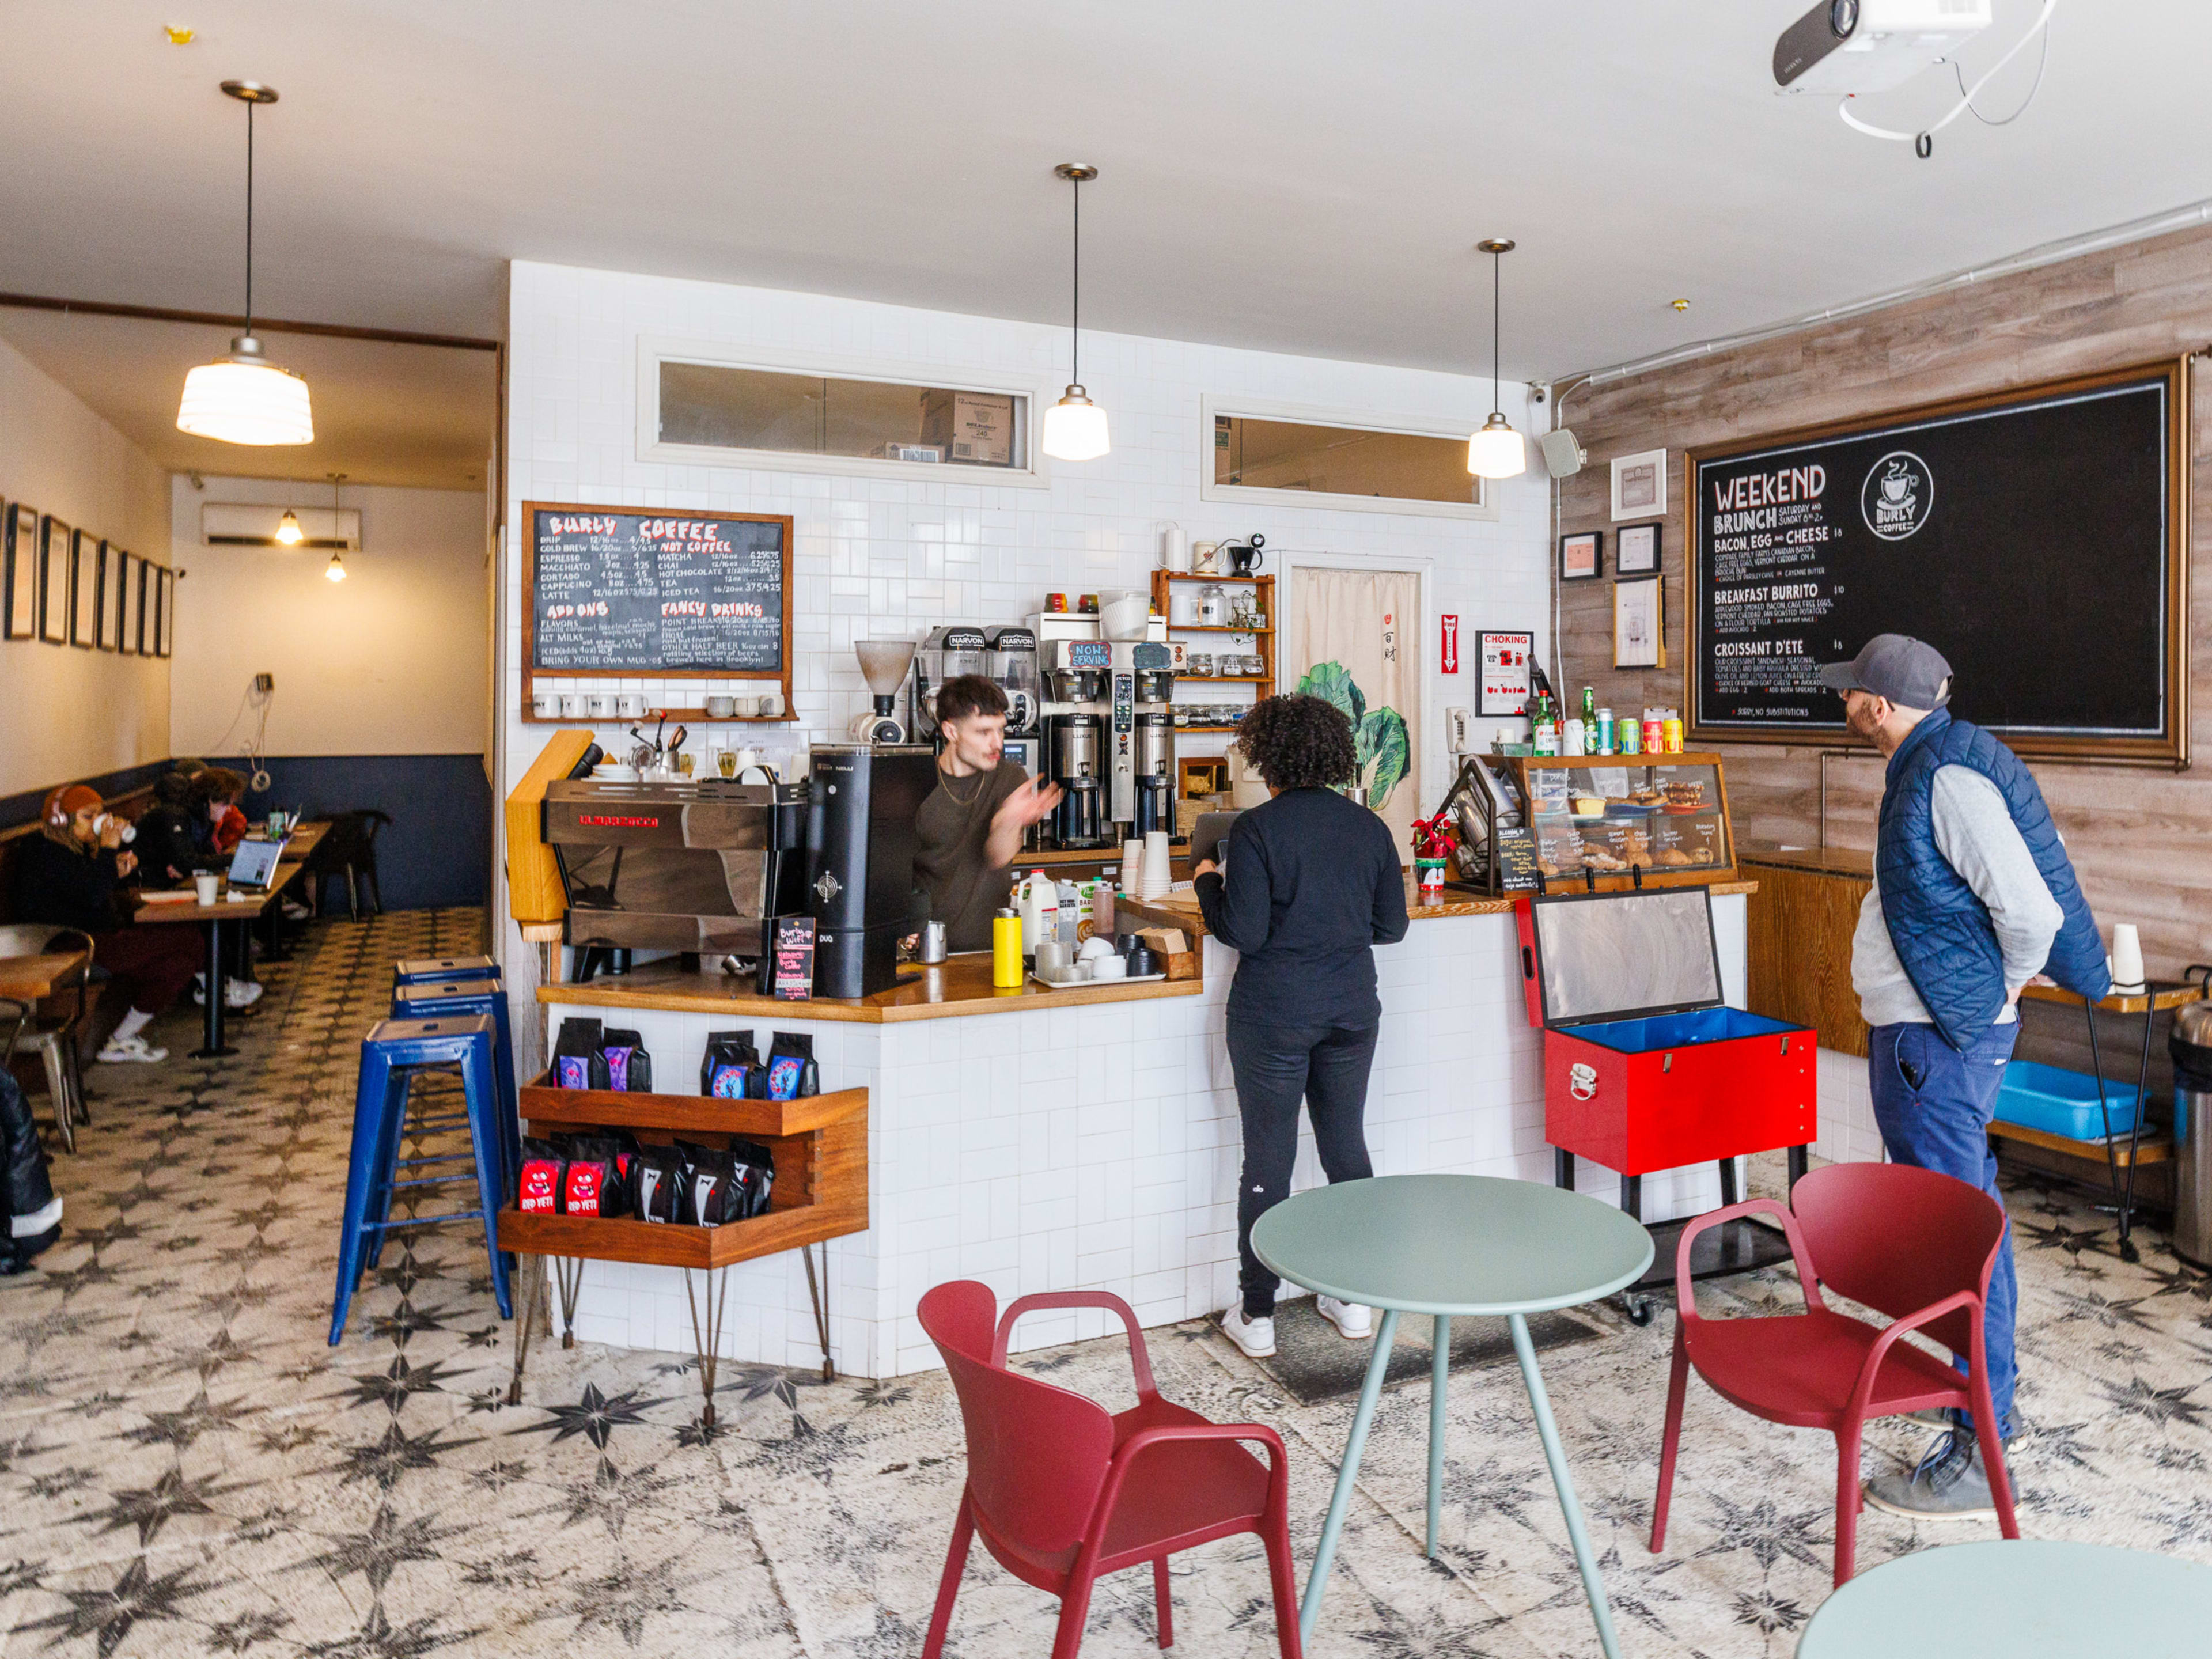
(1849, 46)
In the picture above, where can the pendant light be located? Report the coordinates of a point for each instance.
(289, 532)
(1075, 428)
(1497, 451)
(335, 571)
(245, 398)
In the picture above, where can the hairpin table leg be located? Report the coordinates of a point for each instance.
(707, 1336)
(528, 1306)
(818, 1290)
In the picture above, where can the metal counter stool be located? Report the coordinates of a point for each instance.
(55, 1041)
(437, 971)
(391, 1055)
(458, 999)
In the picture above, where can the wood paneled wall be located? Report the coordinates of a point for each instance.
(2142, 840)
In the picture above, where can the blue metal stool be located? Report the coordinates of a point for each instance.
(437, 971)
(391, 1053)
(458, 999)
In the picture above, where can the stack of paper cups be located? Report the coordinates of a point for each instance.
(2127, 957)
(1156, 873)
(1133, 867)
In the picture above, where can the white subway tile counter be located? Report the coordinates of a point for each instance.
(1041, 1145)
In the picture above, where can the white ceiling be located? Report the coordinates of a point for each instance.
(1282, 173)
(418, 416)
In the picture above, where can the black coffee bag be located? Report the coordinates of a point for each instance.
(573, 1052)
(628, 1067)
(755, 1172)
(731, 1068)
(791, 1073)
(656, 1177)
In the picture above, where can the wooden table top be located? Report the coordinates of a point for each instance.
(958, 986)
(29, 978)
(1819, 860)
(1180, 910)
(2157, 997)
(230, 908)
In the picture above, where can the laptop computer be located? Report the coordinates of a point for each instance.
(253, 866)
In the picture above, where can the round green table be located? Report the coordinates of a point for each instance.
(2025, 1597)
(1445, 1245)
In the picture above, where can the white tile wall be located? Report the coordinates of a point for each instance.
(892, 556)
(1849, 1134)
(1097, 1148)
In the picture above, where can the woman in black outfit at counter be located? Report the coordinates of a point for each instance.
(1312, 883)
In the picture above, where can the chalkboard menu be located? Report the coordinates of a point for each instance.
(2034, 538)
(620, 592)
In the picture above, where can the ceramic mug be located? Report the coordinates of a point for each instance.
(771, 705)
(749, 709)
(1206, 558)
(720, 708)
(602, 705)
(546, 705)
(572, 705)
(631, 705)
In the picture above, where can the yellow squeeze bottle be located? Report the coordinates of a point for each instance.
(1006, 951)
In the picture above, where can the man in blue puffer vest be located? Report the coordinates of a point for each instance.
(1973, 897)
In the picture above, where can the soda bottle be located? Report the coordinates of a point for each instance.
(1589, 707)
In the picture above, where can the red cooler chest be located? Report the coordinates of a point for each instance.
(1644, 1068)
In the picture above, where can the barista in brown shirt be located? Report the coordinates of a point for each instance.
(971, 826)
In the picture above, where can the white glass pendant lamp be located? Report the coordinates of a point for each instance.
(1075, 428)
(336, 569)
(245, 398)
(1495, 451)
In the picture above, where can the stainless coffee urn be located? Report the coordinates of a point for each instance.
(2189, 1046)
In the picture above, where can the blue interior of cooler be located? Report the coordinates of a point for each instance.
(2063, 1103)
(1682, 1030)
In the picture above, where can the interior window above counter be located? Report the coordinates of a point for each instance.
(822, 413)
(1261, 453)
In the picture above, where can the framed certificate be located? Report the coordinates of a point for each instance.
(19, 574)
(54, 538)
(1636, 549)
(1638, 623)
(1581, 555)
(84, 584)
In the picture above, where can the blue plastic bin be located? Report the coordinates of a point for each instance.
(2063, 1103)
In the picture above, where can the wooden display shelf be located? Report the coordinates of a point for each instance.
(1217, 628)
(819, 1144)
(2148, 1151)
(1198, 576)
(2159, 998)
(676, 717)
(1264, 591)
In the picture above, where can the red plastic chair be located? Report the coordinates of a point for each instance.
(1908, 1243)
(1050, 1482)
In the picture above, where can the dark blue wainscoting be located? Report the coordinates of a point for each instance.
(437, 848)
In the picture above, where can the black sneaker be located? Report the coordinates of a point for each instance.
(1949, 1484)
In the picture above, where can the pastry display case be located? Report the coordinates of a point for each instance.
(1615, 821)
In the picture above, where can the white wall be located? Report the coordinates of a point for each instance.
(391, 661)
(895, 557)
(67, 714)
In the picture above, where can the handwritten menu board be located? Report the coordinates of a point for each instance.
(629, 592)
(2031, 540)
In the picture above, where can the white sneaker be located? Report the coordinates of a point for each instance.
(294, 910)
(124, 1050)
(240, 993)
(1255, 1337)
(1353, 1322)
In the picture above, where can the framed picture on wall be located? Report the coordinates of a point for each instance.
(1636, 549)
(105, 588)
(53, 580)
(84, 588)
(125, 576)
(165, 613)
(142, 593)
(1639, 484)
(1639, 623)
(19, 573)
(1581, 555)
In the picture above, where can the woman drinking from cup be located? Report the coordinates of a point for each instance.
(1310, 884)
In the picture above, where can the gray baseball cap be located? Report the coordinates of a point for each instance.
(1910, 673)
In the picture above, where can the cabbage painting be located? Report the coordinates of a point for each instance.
(1378, 735)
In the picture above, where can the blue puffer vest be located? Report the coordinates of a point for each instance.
(1941, 930)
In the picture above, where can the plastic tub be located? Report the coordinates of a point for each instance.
(2063, 1103)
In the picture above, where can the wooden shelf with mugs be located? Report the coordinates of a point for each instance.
(1165, 604)
(598, 708)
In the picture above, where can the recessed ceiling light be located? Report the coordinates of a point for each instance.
(178, 34)
(1680, 305)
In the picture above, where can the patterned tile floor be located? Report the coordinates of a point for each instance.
(187, 1468)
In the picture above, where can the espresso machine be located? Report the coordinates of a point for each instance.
(861, 802)
(1141, 753)
(676, 865)
(1010, 660)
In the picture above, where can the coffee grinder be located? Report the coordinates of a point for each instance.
(884, 666)
(955, 649)
(1010, 660)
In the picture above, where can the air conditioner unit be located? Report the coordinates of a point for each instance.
(237, 524)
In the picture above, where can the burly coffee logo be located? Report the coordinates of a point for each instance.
(1899, 495)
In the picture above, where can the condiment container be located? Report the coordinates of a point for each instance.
(1006, 951)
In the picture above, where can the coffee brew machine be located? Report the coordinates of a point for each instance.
(862, 800)
(1142, 754)
(1076, 713)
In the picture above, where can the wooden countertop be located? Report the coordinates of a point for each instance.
(1825, 861)
(1180, 909)
(959, 986)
